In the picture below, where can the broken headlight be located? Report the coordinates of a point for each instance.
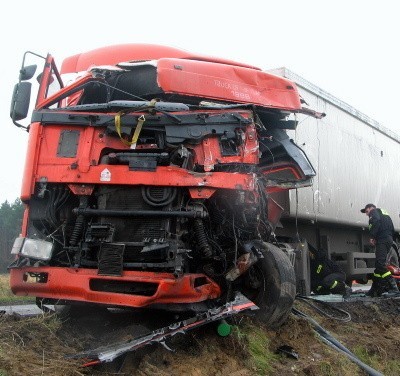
(33, 248)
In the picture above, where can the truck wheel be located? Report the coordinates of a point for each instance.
(271, 284)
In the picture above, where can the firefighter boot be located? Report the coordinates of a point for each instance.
(376, 288)
(347, 292)
(391, 286)
(342, 289)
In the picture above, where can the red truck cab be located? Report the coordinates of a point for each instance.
(147, 181)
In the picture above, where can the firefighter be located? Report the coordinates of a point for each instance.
(381, 231)
(327, 277)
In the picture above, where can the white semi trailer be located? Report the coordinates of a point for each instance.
(357, 162)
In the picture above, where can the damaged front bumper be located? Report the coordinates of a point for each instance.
(132, 289)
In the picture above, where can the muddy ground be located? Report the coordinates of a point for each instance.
(39, 345)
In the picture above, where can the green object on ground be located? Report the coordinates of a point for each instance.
(224, 329)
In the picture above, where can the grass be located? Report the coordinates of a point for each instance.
(376, 359)
(256, 342)
(6, 295)
(31, 346)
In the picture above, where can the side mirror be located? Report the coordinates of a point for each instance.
(26, 73)
(20, 101)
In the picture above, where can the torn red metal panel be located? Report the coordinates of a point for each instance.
(228, 83)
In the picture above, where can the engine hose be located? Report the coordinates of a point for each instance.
(76, 232)
(202, 238)
(335, 344)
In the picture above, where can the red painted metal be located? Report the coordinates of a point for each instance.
(25, 221)
(178, 72)
(81, 189)
(31, 161)
(164, 176)
(225, 82)
(74, 284)
(49, 74)
(112, 55)
(201, 192)
(43, 163)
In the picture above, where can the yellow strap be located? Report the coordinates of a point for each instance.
(319, 268)
(117, 121)
(135, 137)
(153, 103)
(138, 129)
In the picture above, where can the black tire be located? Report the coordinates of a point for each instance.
(271, 285)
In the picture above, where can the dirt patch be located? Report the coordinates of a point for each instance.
(39, 345)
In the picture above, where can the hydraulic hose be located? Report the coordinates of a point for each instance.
(346, 315)
(335, 344)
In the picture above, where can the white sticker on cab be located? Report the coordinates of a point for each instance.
(105, 175)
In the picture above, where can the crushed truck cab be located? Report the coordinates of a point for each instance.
(147, 181)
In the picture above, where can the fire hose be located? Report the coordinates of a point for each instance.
(327, 338)
(345, 316)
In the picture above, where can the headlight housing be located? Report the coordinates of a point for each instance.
(33, 248)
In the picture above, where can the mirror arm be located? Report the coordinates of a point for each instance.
(20, 125)
(30, 52)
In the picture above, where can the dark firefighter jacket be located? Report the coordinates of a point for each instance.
(380, 225)
(320, 268)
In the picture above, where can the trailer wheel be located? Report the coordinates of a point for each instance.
(271, 285)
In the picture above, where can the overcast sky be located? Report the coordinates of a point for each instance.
(347, 48)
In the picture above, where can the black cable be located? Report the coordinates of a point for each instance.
(307, 300)
(335, 344)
